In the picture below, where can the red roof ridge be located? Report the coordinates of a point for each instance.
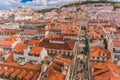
(22, 74)
(8, 72)
(15, 73)
(28, 76)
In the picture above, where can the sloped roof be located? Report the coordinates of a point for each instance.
(35, 50)
(6, 43)
(96, 52)
(68, 45)
(20, 47)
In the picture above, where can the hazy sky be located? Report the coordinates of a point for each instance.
(11, 4)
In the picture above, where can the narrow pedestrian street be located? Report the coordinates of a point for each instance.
(81, 72)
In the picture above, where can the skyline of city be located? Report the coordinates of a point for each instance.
(73, 40)
(37, 4)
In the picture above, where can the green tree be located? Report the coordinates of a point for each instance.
(86, 44)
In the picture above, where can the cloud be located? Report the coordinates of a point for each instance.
(39, 4)
(12, 4)
(9, 4)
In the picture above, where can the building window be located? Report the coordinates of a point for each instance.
(114, 50)
(97, 58)
(21, 59)
(59, 51)
(115, 62)
(103, 59)
(116, 56)
(93, 57)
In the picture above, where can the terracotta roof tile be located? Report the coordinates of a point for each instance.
(68, 45)
(99, 65)
(20, 21)
(22, 74)
(96, 52)
(20, 71)
(101, 78)
(9, 31)
(30, 31)
(35, 50)
(105, 69)
(13, 38)
(57, 67)
(68, 61)
(35, 76)
(20, 47)
(108, 71)
(56, 76)
(8, 72)
(2, 71)
(15, 73)
(29, 75)
(10, 57)
(6, 43)
(114, 78)
(114, 69)
(33, 21)
(64, 60)
(54, 72)
(70, 32)
(55, 36)
(47, 57)
(58, 55)
(2, 53)
(33, 42)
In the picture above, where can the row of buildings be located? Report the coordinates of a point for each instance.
(103, 31)
(38, 46)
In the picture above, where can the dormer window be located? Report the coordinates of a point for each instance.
(103, 54)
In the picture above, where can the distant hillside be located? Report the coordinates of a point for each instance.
(47, 10)
(90, 1)
(116, 5)
(72, 4)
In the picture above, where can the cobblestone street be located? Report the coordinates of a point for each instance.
(80, 69)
